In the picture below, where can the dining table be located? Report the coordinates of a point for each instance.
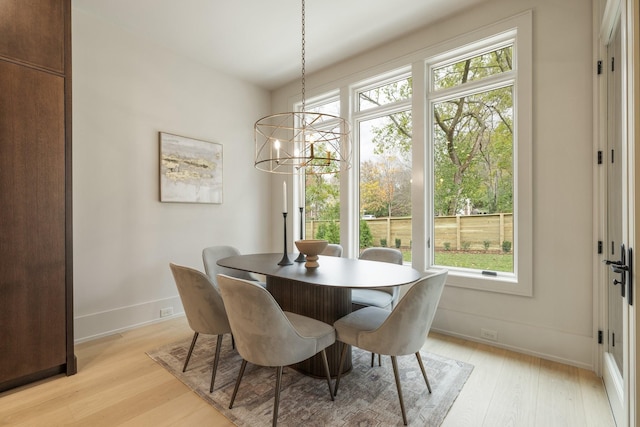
(322, 293)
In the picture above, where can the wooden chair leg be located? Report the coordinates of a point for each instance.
(276, 401)
(216, 358)
(342, 357)
(235, 390)
(424, 373)
(193, 344)
(326, 369)
(394, 362)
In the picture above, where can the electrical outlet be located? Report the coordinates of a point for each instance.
(489, 334)
(164, 312)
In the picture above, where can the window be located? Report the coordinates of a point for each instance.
(384, 139)
(479, 162)
(441, 160)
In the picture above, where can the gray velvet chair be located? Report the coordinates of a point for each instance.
(332, 249)
(267, 336)
(399, 332)
(378, 297)
(212, 254)
(204, 309)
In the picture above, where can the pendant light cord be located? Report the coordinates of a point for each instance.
(303, 54)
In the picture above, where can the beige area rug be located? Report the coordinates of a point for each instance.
(367, 396)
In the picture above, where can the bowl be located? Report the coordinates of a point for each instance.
(311, 248)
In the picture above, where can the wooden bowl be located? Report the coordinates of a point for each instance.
(311, 248)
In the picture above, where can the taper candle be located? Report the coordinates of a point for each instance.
(284, 196)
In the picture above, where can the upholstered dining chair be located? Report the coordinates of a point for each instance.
(212, 254)
(399, 332)
(332, 249)
(378, 297)
(267, 336)
(204, 309)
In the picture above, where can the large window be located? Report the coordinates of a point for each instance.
(441, 160)
(384, 139)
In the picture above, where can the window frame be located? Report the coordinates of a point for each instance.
(520, 281)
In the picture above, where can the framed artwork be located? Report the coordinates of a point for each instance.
(190, 170)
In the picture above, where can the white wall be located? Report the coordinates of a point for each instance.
(125, 91)
(557, 322)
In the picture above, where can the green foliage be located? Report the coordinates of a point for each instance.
(506, 246)
(486, 244)
(398, 243)
(329, 231)
(366, 237)
(481, 261)
(465, 246)
(447, 246)
(383, 243)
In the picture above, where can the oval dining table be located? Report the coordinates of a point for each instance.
(322, 293)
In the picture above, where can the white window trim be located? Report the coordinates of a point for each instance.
(518, 29)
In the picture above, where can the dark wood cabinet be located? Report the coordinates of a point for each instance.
(36, 298)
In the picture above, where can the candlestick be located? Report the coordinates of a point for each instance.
(285, 257)
(301, 257)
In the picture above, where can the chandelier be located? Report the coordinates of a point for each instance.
(296, 141)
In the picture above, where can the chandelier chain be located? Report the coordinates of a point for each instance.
(303, 54)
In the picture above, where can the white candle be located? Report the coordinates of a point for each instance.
(284, 196)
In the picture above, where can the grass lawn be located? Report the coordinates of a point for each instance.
(476, 260)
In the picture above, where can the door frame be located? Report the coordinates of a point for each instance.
(605, 14)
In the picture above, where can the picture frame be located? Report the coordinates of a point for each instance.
(190, 170)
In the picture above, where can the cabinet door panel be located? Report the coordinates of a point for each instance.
(32, 221)
(31, 32)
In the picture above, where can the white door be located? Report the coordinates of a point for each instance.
(617, 252)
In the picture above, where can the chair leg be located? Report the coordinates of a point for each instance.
(373, 358)
(394, 362)
(424, 373)
(326, 369)
(276, 401)
(193, 344)
(342, 357)
(216, 358)
(235, 390)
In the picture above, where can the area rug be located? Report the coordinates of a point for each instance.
(367, 396)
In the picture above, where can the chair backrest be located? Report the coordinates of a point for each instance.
(263, 334)
(332, 249)
(390, 255)
(210, 257)
(406, 328)
(201, 300)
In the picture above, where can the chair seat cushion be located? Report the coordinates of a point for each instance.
(366, 319)
(307, 327)
(371, 297)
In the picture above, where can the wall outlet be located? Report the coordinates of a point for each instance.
(489, 334)
(164, 312)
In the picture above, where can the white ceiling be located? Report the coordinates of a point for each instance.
(260, 40)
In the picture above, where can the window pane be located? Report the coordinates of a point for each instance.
(385, 182)
(473, 181)
(322, 207)
(389, 93)
(472, 69)
(331, 107)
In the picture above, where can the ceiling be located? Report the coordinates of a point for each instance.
(260, 41)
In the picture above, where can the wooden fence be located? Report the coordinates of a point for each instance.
(460, 232)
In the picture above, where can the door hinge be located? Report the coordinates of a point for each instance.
(599, 64)
(599, 157)
(613, 62)
(599, 337)
(612, 156)
(599, 246)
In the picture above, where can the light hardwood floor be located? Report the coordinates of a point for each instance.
(119, 385)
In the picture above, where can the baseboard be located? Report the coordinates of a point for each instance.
(98, 325)
(550, 344)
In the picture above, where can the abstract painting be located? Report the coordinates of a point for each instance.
(190, 170)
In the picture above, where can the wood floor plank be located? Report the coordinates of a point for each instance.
(119, 385)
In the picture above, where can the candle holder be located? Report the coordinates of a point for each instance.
(285, 257)
(301, 257)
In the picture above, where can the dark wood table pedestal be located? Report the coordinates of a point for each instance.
(302, 298)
